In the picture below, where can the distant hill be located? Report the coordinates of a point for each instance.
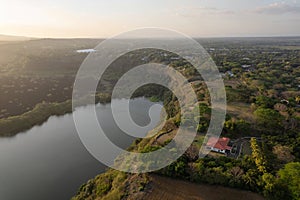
(13, 38)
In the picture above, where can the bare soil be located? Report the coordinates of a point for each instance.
(172, 189)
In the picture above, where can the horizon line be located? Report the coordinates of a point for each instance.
(195, 37)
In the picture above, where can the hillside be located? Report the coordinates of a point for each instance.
(262, 108)
(263, 96)
(13, 38)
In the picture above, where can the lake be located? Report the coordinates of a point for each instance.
(49, 161)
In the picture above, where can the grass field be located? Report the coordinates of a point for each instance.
(240, 110)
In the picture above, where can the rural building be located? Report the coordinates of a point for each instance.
(219, 145)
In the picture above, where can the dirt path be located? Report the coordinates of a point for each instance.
(171, 189)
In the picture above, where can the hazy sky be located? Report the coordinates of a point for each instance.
(104, 18)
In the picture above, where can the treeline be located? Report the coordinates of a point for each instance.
(41, 112)
(255, 172)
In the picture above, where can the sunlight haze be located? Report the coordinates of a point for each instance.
(198, 18)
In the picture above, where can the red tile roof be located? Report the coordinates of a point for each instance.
(218, 143)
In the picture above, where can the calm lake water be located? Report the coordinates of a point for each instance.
(49, 162)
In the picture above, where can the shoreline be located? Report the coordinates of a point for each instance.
(41, 112)
(14, 125)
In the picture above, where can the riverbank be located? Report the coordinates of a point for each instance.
(13, 125)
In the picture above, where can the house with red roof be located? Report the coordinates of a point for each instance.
(219, 145)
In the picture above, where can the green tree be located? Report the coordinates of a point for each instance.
(264, 102)
(250, 179)
(268, 119)
(290, 175)
(269, 182)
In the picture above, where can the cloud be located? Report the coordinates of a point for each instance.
(278, 9)
(201, 11)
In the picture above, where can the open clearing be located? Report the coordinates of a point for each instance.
(240, 110)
